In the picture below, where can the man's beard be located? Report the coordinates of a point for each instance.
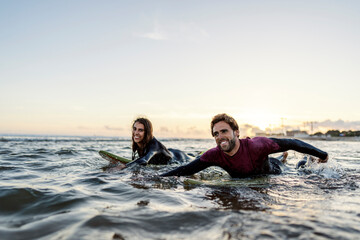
(232, 143)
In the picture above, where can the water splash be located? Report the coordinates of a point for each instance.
(331, 169)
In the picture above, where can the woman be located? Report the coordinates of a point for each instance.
(146, 149)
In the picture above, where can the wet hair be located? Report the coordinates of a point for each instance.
(226, 118)
(148, 135)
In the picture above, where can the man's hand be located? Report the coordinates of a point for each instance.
(319, 160)
(323, 160)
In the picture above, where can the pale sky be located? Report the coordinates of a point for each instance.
(92, 67)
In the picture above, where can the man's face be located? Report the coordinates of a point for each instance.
(224, 136)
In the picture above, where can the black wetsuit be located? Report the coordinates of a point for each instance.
(263, 165)
(156, 153)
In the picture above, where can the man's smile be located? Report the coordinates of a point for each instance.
(224, 144)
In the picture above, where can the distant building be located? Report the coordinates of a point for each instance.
(260, 134)
(264, 134)
(297, 133)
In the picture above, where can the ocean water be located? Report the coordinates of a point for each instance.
(56, 188)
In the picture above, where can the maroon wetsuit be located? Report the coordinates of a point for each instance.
(251, 158)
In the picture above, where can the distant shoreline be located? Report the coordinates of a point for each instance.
(347, 139)
(317, 138)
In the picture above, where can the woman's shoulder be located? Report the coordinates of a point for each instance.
(154, 143)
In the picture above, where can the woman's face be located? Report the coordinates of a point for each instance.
(138, 132)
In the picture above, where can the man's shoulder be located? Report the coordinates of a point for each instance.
(257, 143)
(209, 154)
(257, 139)
(213, 150)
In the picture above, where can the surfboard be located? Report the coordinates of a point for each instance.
(257, 182)
(113, 158)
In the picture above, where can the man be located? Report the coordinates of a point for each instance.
(243, 157)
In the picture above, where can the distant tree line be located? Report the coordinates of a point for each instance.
(337, 133)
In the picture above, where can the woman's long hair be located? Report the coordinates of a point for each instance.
(148, 135)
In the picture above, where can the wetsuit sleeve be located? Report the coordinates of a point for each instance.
(299, 146)
(140, 161)
(193, 167)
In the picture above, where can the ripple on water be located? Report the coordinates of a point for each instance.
(140, 225)
(239, 198)
(17, 199)
(29, 201)
(7, 168)
(27, 156)
(5, 152)
(96, 181)
(70, 152)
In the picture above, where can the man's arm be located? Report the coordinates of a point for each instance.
(300, 146)
(193, 167)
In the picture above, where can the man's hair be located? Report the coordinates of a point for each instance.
(226, 118)
(148, 135)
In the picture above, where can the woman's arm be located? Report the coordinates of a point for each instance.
(143, 160)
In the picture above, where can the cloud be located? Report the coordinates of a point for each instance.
(310, 127)
(84, 128)
(194, 131)
(339, 125)
(185, 132)
(154, 36)
(183, 32)
(247, 130)
(164, 130)
(113, 128)
(157, 33)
